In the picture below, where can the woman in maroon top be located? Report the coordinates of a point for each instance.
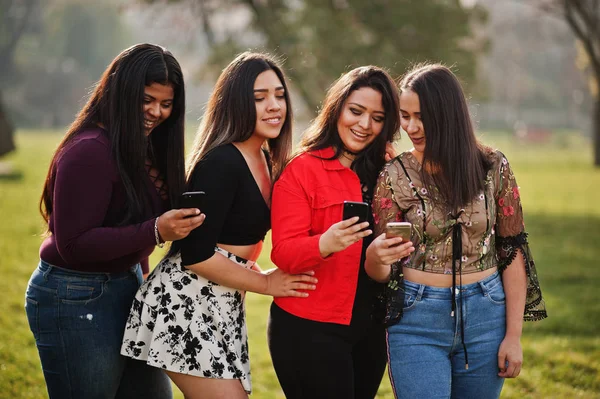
(330, 345)
(117, 169)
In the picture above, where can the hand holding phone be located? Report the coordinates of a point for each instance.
(342, 234)
(398, 229)
(352, 208)
(192, 199)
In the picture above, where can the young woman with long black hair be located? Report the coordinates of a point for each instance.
(456, 305)
(189, 317)
(331, 344)
(106, 199)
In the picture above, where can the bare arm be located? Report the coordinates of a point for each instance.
(382, 252)
(510, 354)
(276, 283)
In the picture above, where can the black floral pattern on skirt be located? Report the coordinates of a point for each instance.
(182, 322)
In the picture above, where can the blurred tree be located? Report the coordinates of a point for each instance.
(14, 16)
(526, 86)
(322, 39)
(583, 17)
(62, 51)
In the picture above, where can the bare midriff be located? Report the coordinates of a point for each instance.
(248, 252)
(444, 280)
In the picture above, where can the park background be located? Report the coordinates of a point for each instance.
(530, 68)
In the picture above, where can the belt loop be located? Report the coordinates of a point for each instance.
(483, 286)
(420, 292)
(47, 272)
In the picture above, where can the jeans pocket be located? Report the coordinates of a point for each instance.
(31, 309)
(77, 292)
(496, 295)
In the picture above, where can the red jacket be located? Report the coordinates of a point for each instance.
(307, 200)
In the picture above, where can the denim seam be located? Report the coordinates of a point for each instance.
(390, 375)
(64, 355)
(494, 302)
(489, 286)
(49, 290)
(36, 326)
(84, 301)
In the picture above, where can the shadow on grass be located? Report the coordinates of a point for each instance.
(567, 252)
(11, 176)
(7, 172)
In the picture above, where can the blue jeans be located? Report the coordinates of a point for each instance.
(426, 357)
(77, 320)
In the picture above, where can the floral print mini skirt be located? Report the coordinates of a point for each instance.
(184, 323)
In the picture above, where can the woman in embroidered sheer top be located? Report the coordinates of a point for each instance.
(456, 305)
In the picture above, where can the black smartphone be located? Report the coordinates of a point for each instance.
(192, 199)
(352, 208)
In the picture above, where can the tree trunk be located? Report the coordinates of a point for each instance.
(7, 143)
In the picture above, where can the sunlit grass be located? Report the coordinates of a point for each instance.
(560, 191)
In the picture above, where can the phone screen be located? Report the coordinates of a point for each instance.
(192, 199)
(352, 208)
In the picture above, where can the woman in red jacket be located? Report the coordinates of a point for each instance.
(329, 345)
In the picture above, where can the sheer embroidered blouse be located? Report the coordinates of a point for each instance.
(485, 234)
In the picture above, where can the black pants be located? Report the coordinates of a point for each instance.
(316, 360)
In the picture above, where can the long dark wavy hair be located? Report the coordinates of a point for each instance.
(230, 114)
(323, 133)
(116, 105)
(455, 164)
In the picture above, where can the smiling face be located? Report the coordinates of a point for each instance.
(271, 108)
(361, 119)
(410, 120)
(158, 104)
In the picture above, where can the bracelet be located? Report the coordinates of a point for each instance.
(156, 235)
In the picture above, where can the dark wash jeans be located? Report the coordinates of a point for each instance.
(77, 320)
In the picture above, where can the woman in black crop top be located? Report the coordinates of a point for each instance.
(188, 318)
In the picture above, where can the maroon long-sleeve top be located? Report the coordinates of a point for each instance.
(88, 204)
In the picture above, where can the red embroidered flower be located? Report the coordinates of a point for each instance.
(375, 218)
(386, 203)
(501, 202)
(515, 192)
(508, 210)
(399, 217)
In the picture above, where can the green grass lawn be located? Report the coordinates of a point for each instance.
(561, 199)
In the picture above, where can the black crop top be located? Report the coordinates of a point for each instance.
(235, 210)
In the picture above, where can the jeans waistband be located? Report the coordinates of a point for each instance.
(479, 287)
(47, 269)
